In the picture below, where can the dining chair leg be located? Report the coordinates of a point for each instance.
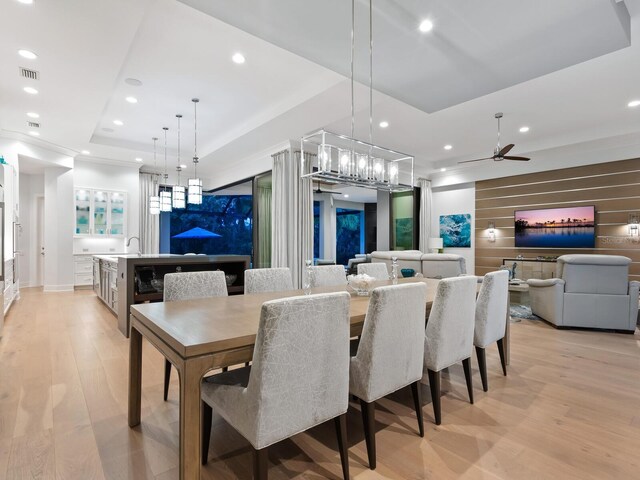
(167, 378)
(503, 360)
(434, 385)
(466, 365)
(260, 463)
(369, 420)
(341, 432)
(482, 366)
(207, 414)
(416, 391)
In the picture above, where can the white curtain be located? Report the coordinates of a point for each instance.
(292, 210)
(149, 224)
(425, 213)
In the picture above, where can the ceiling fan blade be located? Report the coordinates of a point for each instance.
(521, 159)
(506, 150)
(477, 160)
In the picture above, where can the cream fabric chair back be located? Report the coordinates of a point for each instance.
(376, 270)
(328, 276)
(191, 285)
(491, 308)
(449, 332)
(300, 372)
(260, 280)
(391, 350)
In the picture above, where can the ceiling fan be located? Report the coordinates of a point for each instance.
(320, 191)
(500, 154)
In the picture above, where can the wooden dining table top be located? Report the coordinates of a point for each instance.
(200, 326)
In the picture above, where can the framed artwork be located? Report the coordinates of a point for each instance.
(455, 230)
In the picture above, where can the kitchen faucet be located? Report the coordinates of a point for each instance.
(129, 243)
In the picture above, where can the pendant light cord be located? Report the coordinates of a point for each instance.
(370, 75)
(166, 175)
(353, 36)
(178, 168)
(195, 137)
(155, 175)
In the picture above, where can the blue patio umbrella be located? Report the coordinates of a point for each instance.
(197, 232)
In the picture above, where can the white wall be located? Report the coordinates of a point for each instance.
(382, 239)
(452, 200)
(109, 177)
(58, 227)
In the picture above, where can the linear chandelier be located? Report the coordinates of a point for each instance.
(346, 160)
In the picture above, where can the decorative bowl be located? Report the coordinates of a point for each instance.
(361, 284)
(408, 272)
(230, 278)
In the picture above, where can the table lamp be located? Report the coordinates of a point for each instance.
(435, 245)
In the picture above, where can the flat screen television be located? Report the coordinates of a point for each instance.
(569, 227)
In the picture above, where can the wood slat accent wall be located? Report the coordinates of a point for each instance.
(613, 187)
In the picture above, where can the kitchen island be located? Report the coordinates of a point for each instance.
(124, 280)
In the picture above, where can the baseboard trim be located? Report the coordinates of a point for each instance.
(58, 288)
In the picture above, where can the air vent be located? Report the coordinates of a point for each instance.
(30, 74)
(34, 124)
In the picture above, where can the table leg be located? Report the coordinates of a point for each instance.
(135, 377)
(190, 435)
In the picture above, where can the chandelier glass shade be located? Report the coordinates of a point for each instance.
(178, 196)
(195, 184)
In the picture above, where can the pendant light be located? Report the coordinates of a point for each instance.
(154, 199)
(195, 184)
(165, 195)
(178, 189)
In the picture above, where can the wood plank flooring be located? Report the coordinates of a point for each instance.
(570, 408)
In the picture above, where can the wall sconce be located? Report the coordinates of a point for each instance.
(634, 227)
(492, 231)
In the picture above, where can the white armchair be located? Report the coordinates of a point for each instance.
(592, 291)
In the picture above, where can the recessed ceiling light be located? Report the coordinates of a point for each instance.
(524, 129)
(633, 103)
(384, 124)
(85, 152)
(134, 82)
(27, 54)
(346, 195)
(34, 134)
(30, 90)
(33, 115)
(183, 166)
(118, 122)
(448, 147)
(238, 58)
(26, 2)
(426, 26)
(131, 99)
(138, 159)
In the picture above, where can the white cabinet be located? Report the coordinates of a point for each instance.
(100, 213)
(83, 270)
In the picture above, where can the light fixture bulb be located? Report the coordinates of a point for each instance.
(85, 152)
(346, 195)
(384, 124)
(118, 123)
(27, 54)
(34, 134)
(131, 99)
(138, 159)
(633, 103)
(33, 115)
(443, 169)
(238, 58)
(30, 90)
(524, 129)
(426, 26)
(448, 147)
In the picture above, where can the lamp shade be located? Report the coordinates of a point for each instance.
(435, 243)
(154, 205)
(195, 191)
(178, 196)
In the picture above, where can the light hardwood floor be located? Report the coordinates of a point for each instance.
(570, 408)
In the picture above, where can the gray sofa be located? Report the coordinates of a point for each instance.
(591, 291)
(431, 265)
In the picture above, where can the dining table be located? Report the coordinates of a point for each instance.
(204, 334)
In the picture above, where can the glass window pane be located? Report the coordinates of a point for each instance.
(83, 214)
(117, 213)
(100, 213)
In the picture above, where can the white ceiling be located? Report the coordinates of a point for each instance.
(88, 48)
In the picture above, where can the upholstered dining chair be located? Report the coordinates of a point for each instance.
(189, 286)
(260, 280)
(299, 377)
(449, 333)
(376, 270)
(491, 319)
(390, 353)
(328, 276)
